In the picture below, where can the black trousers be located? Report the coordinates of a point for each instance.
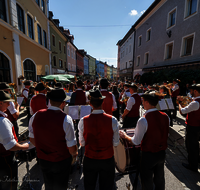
(130, 122)
(152, 170)
(56, 174)
(174, 112)
(8, 173)
(192, 145)
(105, 169)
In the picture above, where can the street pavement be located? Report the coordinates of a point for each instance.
(176, 176)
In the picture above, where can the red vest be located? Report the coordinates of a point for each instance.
(134, 112)
(88, 87)
(98, 135)
(80, 97)
(38, 102)
(25, 99)
(107, 102)
(3, 151)
(10, 116)
(50, 136)
(193, 118)
(175, 93)
(155, 138)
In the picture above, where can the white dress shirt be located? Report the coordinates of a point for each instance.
(193, 106)
(11, 108)
(175, 87)
(126, 94)
(6, 135)
(115, 126)
(141, 128)
(130, 102)
(114, 101)
(25, 92)
(68, 128)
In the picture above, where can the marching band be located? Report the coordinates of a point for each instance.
(147, 111)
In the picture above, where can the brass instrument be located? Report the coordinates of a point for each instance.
(125, 99)
(13, 88)
(48, 88)
(185, 100)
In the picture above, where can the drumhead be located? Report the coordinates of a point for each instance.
(120, 157)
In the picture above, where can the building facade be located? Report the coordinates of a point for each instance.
(80, 63)
(115, 73)
(92, 67)
(105, 70)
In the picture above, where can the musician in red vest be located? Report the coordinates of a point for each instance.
(79, 96)
(98, 132)
(175, 92)
(8, 144)
(192, 128)
(12, 110)
(27, 85)
(125, 94)
(56, 148)
(151, 133)
(39, 101)
(88, 86)
(109, 103)
(131, 113)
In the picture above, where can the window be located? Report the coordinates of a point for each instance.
(3, 10)
(191, 7)
(60, 46)
(39, 34)
(68, 51)
(139, 40)
(148, 35)
(29, 70)
(72, 53)
(53, 39)
(187, 45)
(43, 6)
(168, 51)
(45, 39)
(69, 66)
(64, 50)
(138, 61)
(46, 70)
(54, 60)
(4, 69)
(146, 58)
(20, 18)
(60, 63)
(30, 27)
(38, 2)
(171, 18)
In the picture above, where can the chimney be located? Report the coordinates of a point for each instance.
(61, 28)
(50, 15)
(57, 22)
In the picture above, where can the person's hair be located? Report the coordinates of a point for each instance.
(115, 90)
(79, 85)
(54, 103)
(96, 103)
(104, 85)
(71, 86)
(165, 89)
(152, 102)
(31, 90)
(198, 90)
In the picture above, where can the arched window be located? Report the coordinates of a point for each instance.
(4, 69)
(29, 70)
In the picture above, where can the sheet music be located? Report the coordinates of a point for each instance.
(170, 103)
(74, 112)
(20, 100)
(163, 105)
(69, 94)
(66, 109)
(85, 110)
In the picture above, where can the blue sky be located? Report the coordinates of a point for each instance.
(97, 25)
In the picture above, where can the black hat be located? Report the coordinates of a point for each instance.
(4, 97)
(126, 84)
(133, 85)
(39, 87)
(96, 95)
(3, 86)
(150, 95)
(176, 80)
(27, 83)
(88, 81)
(58, 95)
(80, 82)
(195, 87)
(104, 81)
(58, 85)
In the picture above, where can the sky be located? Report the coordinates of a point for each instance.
(97, 25)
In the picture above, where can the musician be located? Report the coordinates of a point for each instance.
(192, 128)
(98, 132)
(12, 110)
(175, 93)
(58, 85)
(52, 133)
(125, 94)
(8, 144)
(39, 101)
(27, 85)
(131, 113)
(79, 96)
(151, 133)
(88, 86)
(109, 103)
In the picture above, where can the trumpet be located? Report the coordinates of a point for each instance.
(185, 100)
(13, 88)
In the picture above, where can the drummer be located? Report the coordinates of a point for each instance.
(152, 134)
(8, 144)
(131, 113)
(125, 94)
(56, 148)
(98, 132)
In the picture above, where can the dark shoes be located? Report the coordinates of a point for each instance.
(187, 166)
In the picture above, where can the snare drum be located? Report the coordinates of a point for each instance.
(26, 155)
(126, 155)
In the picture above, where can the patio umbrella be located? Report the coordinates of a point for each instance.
(59, 78)
(68, 76)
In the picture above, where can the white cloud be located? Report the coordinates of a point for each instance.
(133, 12)
(142, 12)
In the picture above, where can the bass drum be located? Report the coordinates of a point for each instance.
(126, 155)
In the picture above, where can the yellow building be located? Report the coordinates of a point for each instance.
(24, 40)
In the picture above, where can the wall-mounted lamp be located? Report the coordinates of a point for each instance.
(8, 38)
